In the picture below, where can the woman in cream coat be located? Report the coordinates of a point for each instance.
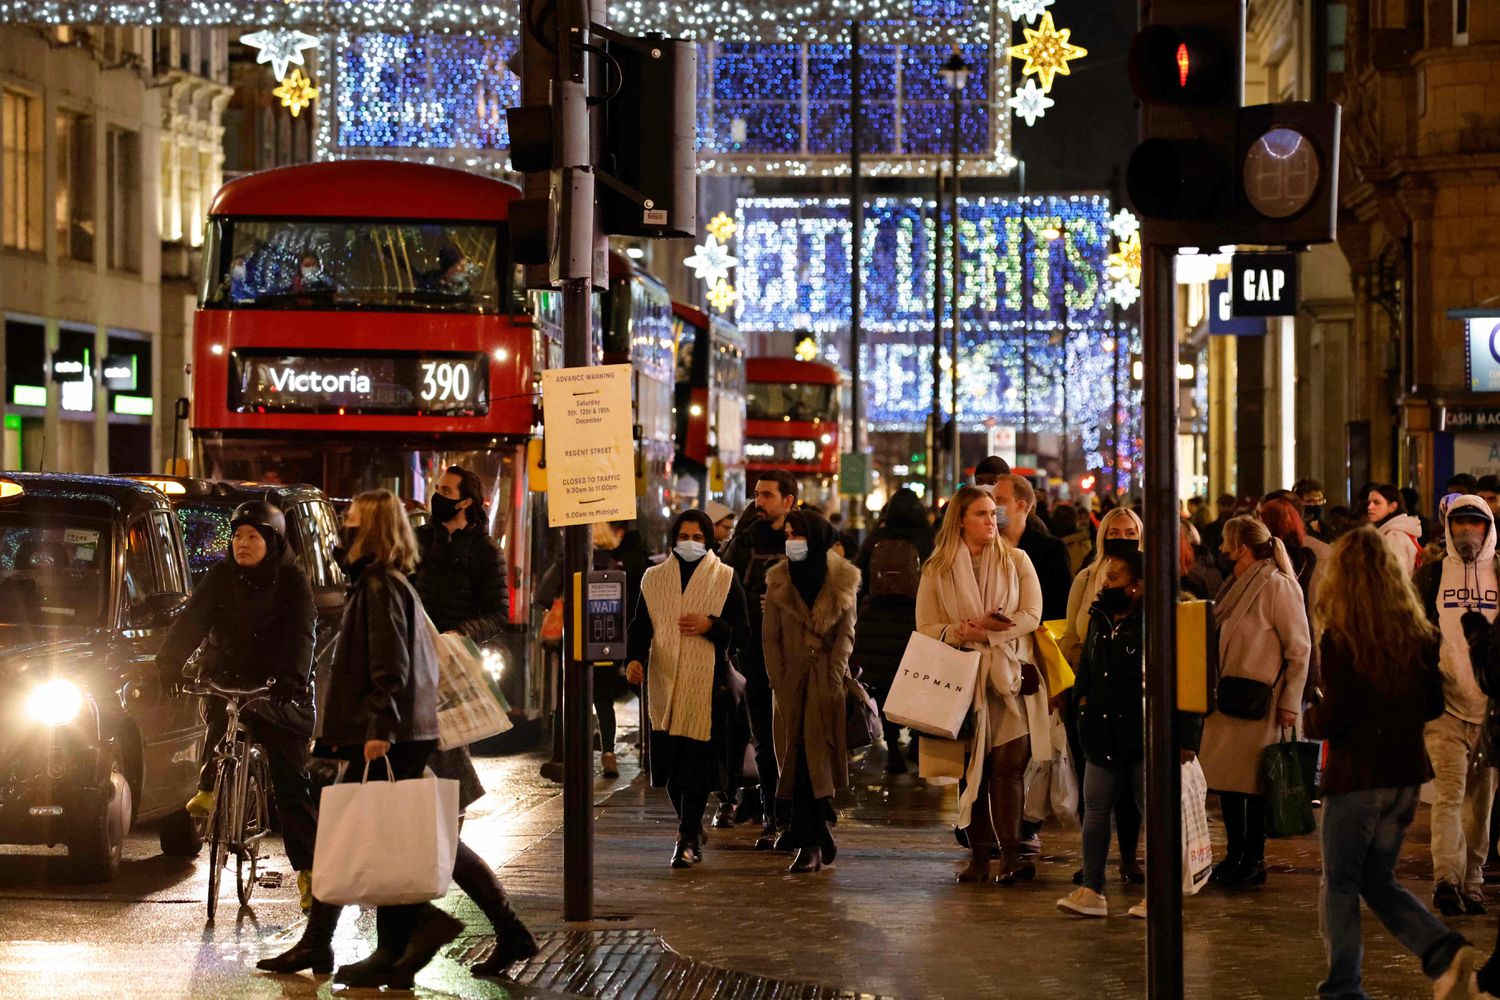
(972, 575)
(1263, 635)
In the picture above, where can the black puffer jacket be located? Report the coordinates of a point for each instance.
(384, 677)
(253, 625)
(462, 581)
(885, 624)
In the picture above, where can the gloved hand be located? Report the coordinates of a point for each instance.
(1031, 679)
(1473, 624)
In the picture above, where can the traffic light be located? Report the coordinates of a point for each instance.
(1209, 172)
(1187, 66)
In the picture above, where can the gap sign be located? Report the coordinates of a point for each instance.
(1264, 284)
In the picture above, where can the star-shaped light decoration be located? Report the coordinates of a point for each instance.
(1028, 10)
(1030, 103)
(1121, 293)
(722, 296)
(1123, 224)
(723, 227)
(1046, 51)
(280, 47)
(710, 261)
(296, 92)
(1124, 264)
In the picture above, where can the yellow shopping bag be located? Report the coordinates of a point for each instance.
(1050, 657)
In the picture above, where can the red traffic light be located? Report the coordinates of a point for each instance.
(1182, 65)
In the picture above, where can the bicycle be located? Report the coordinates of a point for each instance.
(241, 816)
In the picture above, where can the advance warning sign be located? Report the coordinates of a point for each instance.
(590, 445)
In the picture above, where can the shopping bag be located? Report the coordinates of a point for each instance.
(384, 843)
(934, 687)
(1197, 848)
(468, 709)
(1036, 804)
(1288, 804)
(1064, 784)
(1049, 654)
(861, 715)
(940, 760)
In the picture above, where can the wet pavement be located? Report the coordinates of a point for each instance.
(887, 920)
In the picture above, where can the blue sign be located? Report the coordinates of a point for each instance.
(1221, 317)
(1484, 353)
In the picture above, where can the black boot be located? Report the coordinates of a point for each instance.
(767, 839)
(392, 931)
(513, 941)
(685, 855)
(315, 948)
(809, 859)
(434, 929)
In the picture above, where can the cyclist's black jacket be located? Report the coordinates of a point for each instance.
(258, 624)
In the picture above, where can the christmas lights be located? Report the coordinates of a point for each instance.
(296, 92)
(1047, 51)
(722, 227)
(710, 261)
(1031, 102)
(1025, 10)
(722, 296)
(280, 47)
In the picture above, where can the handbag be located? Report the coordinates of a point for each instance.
(1245, 697)
(933, 689)
(861, 714)
(1288, 803)
(1197, 847)
(386, 843)
(1049, 655)
(468, 708)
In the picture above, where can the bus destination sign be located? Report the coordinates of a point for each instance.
(397, 382)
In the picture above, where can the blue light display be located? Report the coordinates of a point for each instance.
(1033, 308)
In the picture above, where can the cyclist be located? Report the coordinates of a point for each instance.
(253, 615)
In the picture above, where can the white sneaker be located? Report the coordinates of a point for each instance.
(1458, 981)
(609, 765)
(1085, 902)
(1139, 910)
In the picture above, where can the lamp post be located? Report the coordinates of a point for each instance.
(955, 74)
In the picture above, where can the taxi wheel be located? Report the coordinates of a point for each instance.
(181, 835)
(97, 845)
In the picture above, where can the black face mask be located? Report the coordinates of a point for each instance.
(1116, 547)
(444, 509)
(1311, 514)
(1115, 600)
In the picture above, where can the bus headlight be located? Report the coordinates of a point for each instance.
(54, 703)
(493, 661)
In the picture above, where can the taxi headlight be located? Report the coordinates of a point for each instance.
(54, 703)
(493, 661)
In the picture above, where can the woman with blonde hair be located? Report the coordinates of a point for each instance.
(378, 713)
(1381, 685)
(1264, 647)
(978, 592)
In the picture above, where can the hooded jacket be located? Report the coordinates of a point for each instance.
(1402, 533)
(1452, 589)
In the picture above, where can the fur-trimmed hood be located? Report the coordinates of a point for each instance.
(839, 594)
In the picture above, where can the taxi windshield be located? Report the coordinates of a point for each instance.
(53, 570)
(354, 264)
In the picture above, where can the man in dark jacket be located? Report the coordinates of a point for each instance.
(1054, 570)
(253, 613)
(758, 545)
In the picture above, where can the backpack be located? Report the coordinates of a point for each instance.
(895, 568)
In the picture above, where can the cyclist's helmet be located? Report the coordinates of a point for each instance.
(263, 517)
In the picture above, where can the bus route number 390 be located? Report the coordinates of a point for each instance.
(446, 381)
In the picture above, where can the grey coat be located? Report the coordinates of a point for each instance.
(1263, 629)
(807, 656)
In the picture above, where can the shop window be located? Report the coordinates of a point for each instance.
(75, 186)
(26, 378)
(21, 171)
(1460, 22)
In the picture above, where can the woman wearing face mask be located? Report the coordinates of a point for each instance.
(690, 618)
(1119, 534)
(807, 637)
(980, 593)
(462, 585)
(1263, 637)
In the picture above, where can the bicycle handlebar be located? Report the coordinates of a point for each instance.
(203, 687)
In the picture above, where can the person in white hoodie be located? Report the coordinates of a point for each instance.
(1402, 531)
(1463, 583)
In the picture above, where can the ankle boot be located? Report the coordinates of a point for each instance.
(434, 929)
(513, 942)
(1013, 866)
(809, 859)
(978, 869)
(315, 948)
(392, 932)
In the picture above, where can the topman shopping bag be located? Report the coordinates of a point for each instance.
(934, 687)
(1288, 801)
(1197, 849)
(384, 843)
(468, 708)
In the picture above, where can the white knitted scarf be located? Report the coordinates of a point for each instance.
(680, 677)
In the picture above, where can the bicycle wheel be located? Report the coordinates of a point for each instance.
(254, 823)
(219, 832)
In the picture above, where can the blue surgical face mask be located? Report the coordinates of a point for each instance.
(690, 551)
(1002, 516)
(796, 549)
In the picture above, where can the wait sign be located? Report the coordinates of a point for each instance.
(1264, 284)
(590, 445)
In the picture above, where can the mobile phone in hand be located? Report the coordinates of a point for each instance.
(1001, 616)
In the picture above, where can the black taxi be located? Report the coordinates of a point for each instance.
(92, 573)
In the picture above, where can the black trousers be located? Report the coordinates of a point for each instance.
(759, 702)
(1244, 824)
(286, 759)
(689, 807)
(606, 687)
(812, 817)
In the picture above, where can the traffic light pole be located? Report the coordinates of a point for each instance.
(1163, 760)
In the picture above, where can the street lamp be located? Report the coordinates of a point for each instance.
(955, 73)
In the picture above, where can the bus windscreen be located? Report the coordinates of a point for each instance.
(352, 264)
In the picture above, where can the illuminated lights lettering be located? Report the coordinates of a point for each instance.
(804, 451)
(284, 379)
(757, 449)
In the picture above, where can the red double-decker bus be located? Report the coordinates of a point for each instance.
(794, 422)
(361, 326)
(710, 400)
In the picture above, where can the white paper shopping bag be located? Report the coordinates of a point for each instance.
(934, 687)
(384, 843)
(1197, 849)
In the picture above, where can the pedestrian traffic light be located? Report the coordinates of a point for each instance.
(1287, 164)
(1187, 67)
